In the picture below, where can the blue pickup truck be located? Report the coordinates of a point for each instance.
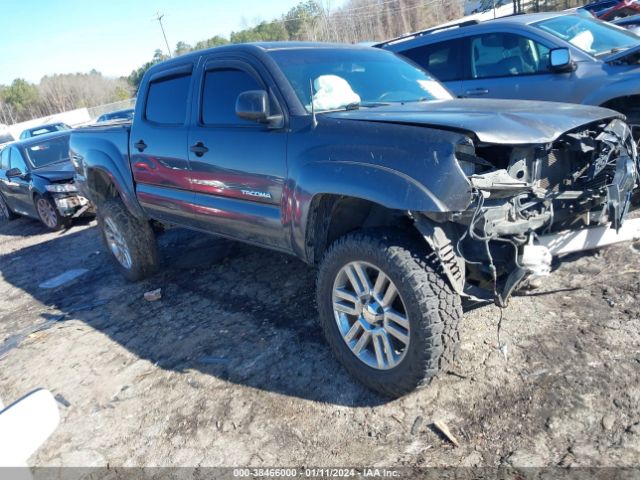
(355, 161)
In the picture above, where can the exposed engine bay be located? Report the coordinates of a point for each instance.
(582, 179)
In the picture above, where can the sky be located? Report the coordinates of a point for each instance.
(43, 37)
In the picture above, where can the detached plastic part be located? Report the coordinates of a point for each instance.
(25, 425)
(536, 259)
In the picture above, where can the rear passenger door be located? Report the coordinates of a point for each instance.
(509, 65)
(158, 145)
(238, 167)
(443, 60)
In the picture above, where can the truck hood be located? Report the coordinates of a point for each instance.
(513, 122)
(56, 172)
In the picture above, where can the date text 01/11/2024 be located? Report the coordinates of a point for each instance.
(317, 472)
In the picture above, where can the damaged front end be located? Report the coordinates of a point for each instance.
(584, 178)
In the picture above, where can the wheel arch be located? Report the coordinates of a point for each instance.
(104, 184)
(332, 216)
(628, 105)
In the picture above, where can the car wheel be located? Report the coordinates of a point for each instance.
(48, 213)
(130, 241)
(387, 312)
(6, 213)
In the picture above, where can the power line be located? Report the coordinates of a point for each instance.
(159, 17)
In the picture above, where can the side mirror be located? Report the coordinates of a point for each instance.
(14, 172)
(560, 60)
(253, 105)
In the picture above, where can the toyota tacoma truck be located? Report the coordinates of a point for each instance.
(358, 162)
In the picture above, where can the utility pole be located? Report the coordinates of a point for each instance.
(159, 17)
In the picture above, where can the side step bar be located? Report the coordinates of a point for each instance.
(590, 238)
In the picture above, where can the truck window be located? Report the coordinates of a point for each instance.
(219, 95)
(167, 100)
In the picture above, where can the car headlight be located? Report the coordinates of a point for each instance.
(61, 188)
(469, 162)
(465, 153)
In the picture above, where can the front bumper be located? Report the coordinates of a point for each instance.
(69, 205)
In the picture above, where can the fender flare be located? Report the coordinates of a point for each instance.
(97, 161)
(376, 183)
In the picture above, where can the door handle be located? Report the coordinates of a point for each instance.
(140, 145)
(199, 149)
(477, 91)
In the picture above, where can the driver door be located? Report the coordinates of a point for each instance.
(238, 167)
(16, 190)
(507, 65)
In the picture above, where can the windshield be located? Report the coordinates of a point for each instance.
(592, 36)
(49, 151)
(52, 127)
(351, 78)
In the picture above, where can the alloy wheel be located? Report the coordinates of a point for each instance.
(47, 213)
(371, 315)
(117, 244)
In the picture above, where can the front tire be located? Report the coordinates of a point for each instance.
(130, 241)
(49, 215)
(389, 315)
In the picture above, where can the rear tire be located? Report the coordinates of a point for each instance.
(425, 304)
(6, 213)
(130, 241)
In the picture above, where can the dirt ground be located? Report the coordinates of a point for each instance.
(229, 368)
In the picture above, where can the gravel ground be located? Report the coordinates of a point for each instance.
(229, 368)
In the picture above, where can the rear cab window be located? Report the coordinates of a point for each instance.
(167, 100)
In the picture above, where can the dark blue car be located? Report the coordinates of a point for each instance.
(36, 180)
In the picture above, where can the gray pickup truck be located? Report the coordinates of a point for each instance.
(356, 161)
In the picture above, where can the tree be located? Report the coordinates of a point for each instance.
(182, 48)
(301, 19)
(263, 32)
(21, 95)
(354, 21)
(214, 41)
(158, 56)
(135, 77)
(64, 92)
